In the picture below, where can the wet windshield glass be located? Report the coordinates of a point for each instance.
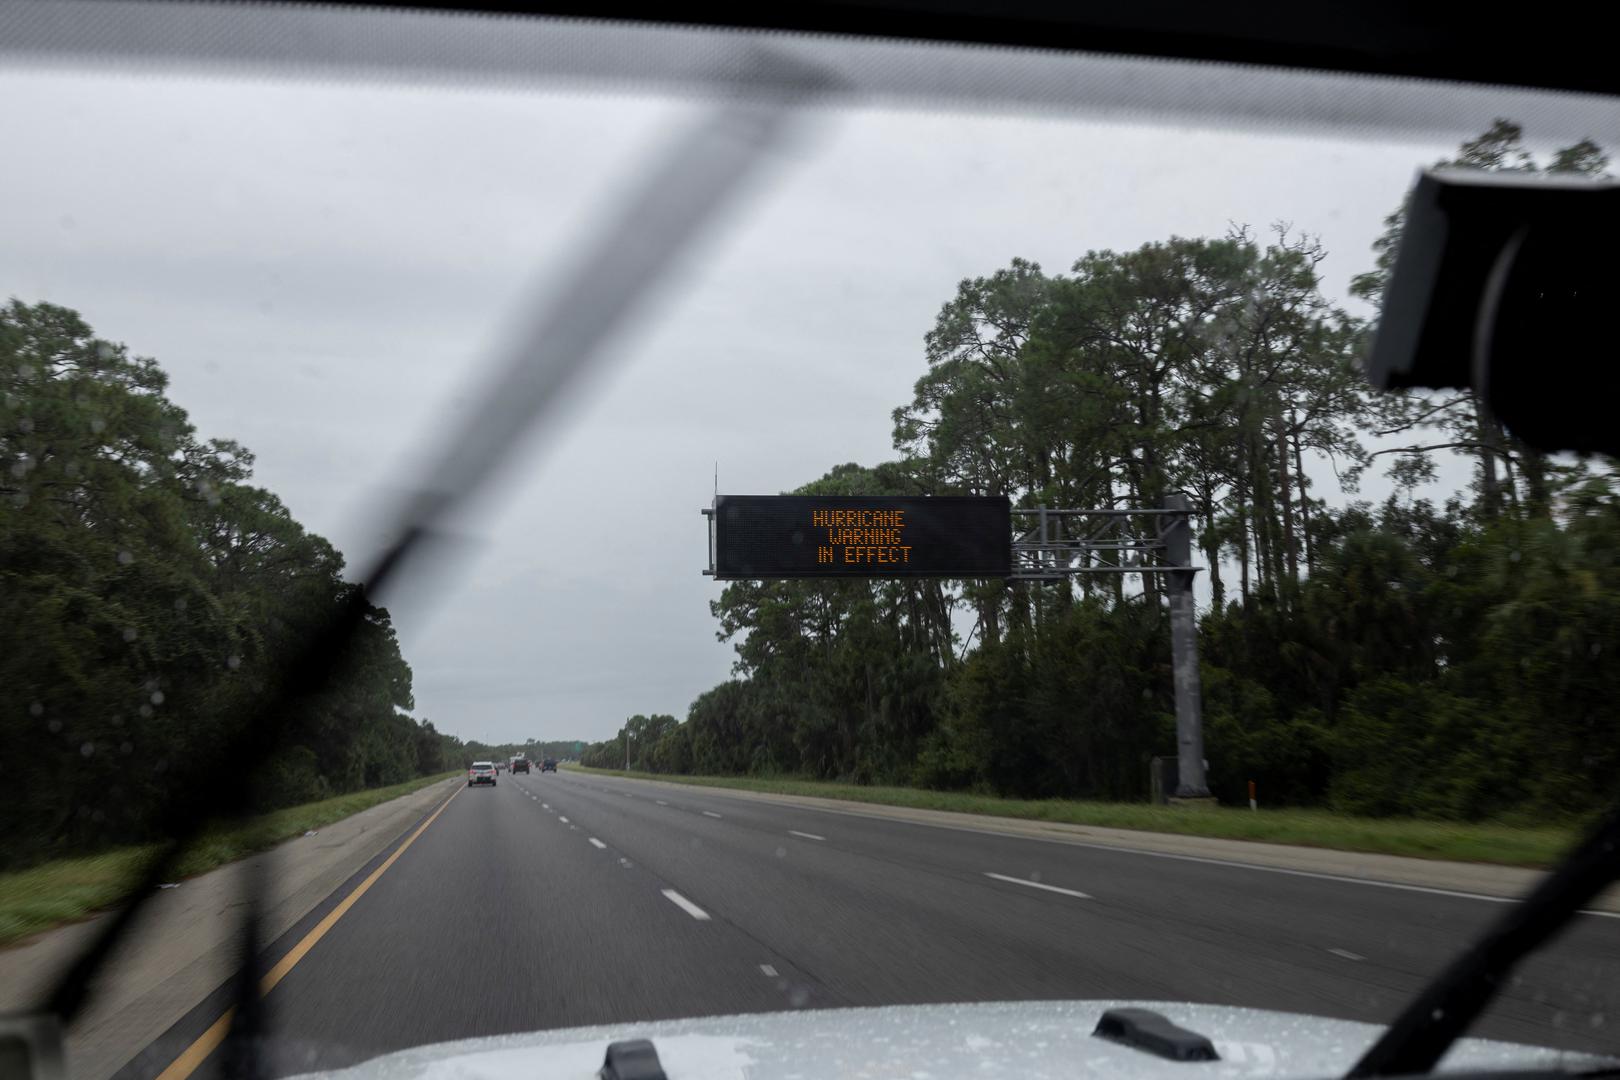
(249, 309)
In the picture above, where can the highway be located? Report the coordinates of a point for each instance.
(555, 900)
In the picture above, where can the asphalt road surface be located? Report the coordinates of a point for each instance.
(555, 900)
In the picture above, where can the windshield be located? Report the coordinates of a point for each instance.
(1153, 657)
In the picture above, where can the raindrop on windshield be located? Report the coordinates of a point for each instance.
(88, 749)
(126, 557)
(36, 709)
(130, 633)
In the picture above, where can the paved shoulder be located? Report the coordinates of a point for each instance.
(185, 946)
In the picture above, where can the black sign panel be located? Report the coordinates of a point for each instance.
(801, 536)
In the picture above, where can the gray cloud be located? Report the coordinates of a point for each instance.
(323, 269)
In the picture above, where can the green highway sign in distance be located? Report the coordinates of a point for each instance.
(808, 536)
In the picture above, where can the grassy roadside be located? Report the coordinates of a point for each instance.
(63, 890)
(1506, 845)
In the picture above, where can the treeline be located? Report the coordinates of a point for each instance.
(1453, 661)
(150, 592)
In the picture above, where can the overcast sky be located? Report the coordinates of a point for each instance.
(324, 269)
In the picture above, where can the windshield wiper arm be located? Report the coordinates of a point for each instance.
(1419, 1037)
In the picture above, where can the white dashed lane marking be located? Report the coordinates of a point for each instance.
(710, 813)
(1347, 954)
(686, 905)
(767, 970)
(806, 835)
(597, 843)
(1036, 885)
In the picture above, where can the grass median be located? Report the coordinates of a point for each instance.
(63, 890)
(1537, 846)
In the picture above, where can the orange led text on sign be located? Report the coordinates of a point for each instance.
(862, 537)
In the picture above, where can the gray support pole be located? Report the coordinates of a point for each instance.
(1184, 654)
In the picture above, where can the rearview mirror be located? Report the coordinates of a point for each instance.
(1508, 284)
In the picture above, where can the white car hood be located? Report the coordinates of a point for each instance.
(937, 1042)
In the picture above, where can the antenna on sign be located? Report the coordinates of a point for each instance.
(717, 480)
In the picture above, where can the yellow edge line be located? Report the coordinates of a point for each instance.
(194, 1055)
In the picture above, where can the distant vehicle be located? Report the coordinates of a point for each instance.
(548, 765)
(520, 764)
(482, 772)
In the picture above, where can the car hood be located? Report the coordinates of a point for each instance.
(936, 1042)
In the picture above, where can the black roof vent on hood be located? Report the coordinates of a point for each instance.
(1146, 1030)
(632, 1059)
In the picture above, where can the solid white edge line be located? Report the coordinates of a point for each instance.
(685, 905)
(806, 835)
(1037, 885)
(710, 813)
(1333, 877)
(597, 843)
(1318, 875)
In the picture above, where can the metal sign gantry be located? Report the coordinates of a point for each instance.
(1059, 544)
(777, 537)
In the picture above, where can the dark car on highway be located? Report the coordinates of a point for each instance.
(520, 765)
(548, 765)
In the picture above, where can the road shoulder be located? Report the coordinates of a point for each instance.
(185, 946)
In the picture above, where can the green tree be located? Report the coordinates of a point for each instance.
(151, 594)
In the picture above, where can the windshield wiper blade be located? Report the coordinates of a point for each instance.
(1419, 1037)
(701, 171)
